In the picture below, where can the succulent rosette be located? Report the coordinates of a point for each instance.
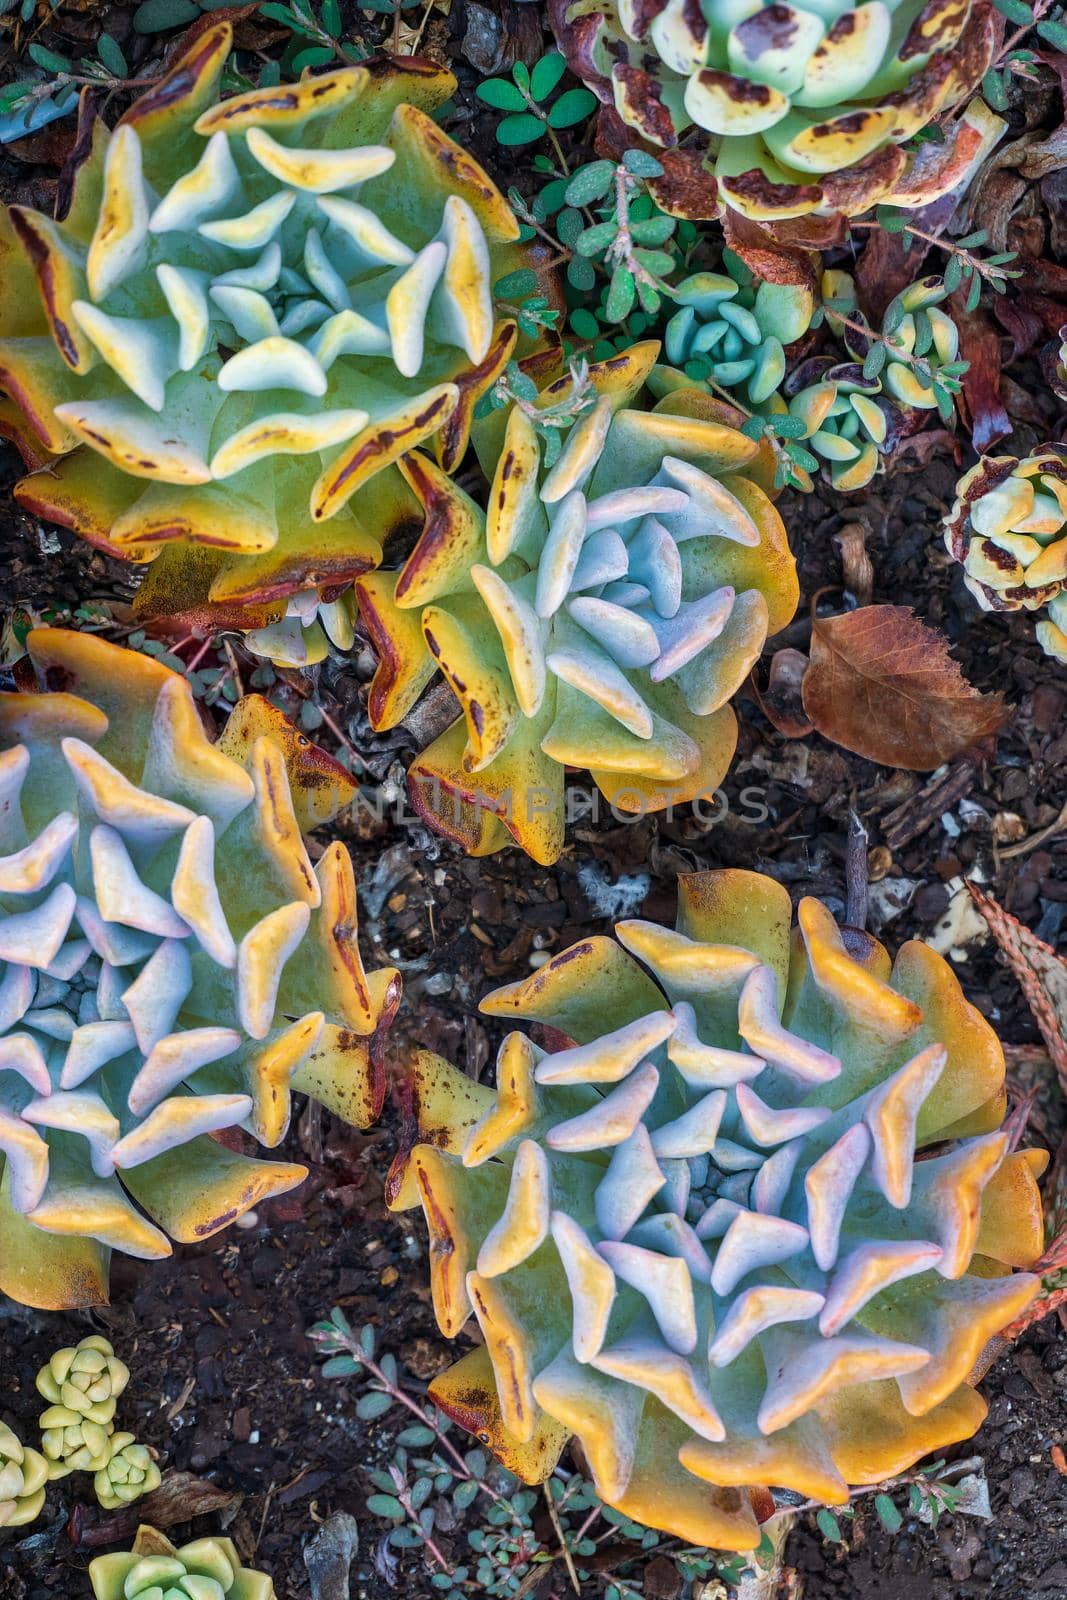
(155, 1569)
(804, 107)
(23, 1481)
(732, 329)
(599, 616)
(749, 1222)
(914, 328)
(846, 423)
(1009, 529)
(250, 307)
(128, 1473)
(172, 966)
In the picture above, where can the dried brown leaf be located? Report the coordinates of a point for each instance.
(179, 1498)
(767, 256)
(780, 702)
(881, 683)
(980, 403)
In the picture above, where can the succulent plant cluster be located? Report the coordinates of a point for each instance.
(23, 1480)
(250, 308)
(848, 408)
(600, 615)
(804, 108)
(155, 1569)
(83, 1384)
(1009, 529)
(845, 422)
(697, 1234)
(732, 328)
(173, 964)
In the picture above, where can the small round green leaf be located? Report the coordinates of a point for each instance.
(521, 129)
(574, 105)
(546, 74)
(502, 95)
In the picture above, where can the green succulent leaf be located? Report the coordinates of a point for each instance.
(1016, 11)
(595, 240)
(642, 164)
(656, 231)
(516, 284)
(621, 294)
(887, 1514)
(111, 55)
(385, 1505)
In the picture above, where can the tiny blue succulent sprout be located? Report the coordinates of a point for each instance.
(732, 328)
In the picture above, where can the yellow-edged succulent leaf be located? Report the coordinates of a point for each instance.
(173, 966)
(600, 615)
(696, 1234)
(252, 308)
(801, 109)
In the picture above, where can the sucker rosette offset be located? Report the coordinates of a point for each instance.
(82, 1384)
(1009, 529)
(249, 309)
(155, 1569)
(750, 1225)
(172, 966)
(795, 108)
(599, 615)
(23, 1480)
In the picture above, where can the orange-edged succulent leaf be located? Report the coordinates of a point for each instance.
(695, 1232)
(157, 888)
(252, 307)
(599, 613)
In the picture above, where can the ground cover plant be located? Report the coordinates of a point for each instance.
(533, 859)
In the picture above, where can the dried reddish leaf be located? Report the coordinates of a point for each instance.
(765, 254)
(1042, 975)
(1059, 1460)
(980, 403)
(885, 268)
(881, 683)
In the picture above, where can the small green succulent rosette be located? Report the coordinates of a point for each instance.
(82, 1384)
(1009, 529)
(129, 1473)
(796, 108)
(172, 966)
(846, 421)
(750, 1220)
(155, 1569)
(249, 308)
(23, 1480)
(600, 614)
(732, 329)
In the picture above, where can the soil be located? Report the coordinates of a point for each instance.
(226, 1386)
